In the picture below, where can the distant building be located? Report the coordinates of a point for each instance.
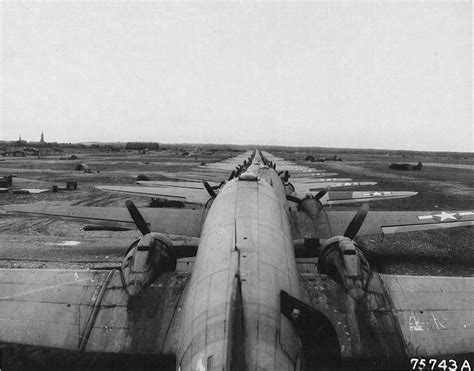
(21, 142)
(42, 137)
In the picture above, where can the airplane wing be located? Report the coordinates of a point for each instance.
(89, 311)
(331, 223)
(347, 197)
(435, 313)
(302, 189)
(310, 175)
(185, 222)
(29, 190)
(195, 176)
(318, 180)
(387, 222)
(406, 317)
(179, 184)
(189, 195)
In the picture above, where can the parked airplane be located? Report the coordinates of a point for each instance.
(248, 303)
(395, 166)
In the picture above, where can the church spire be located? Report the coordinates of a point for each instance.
(42, 137)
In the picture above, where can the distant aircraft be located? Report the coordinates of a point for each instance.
(406, 166)
(250, 301)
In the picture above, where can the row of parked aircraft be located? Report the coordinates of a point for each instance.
(277, 281)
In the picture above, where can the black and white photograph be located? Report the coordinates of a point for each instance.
(246, 185)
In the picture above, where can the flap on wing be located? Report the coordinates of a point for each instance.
(198, 196)
(88, 311)
(185, 222)
(378, 222)
(435, 313)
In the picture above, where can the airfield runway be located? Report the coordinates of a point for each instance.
(27, 241)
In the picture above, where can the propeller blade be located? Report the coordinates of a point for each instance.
(137, 217)
(293, 199)
(219, 185)
(209, 189)
(320, 194)
(356, 221)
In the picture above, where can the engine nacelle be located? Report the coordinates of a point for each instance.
(311, 206)
(148, 257)
(342, 259)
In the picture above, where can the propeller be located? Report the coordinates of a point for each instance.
(209, 189)
(343, 260)
(356, 222)
(293, 199)
(137, 217)
(219, 185)
(320, 194)
(297, 200)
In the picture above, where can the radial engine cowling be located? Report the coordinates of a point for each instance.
(342, 259)
(148, 257)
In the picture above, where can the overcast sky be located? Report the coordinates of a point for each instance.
(348, 74)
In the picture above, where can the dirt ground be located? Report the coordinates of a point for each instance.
(33, 242)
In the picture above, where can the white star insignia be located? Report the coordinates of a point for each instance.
(444, 216)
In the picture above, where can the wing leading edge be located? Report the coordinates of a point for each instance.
(190, 195)
(328, 223)
(401, 221)
(184, 222)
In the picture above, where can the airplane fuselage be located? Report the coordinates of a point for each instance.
(231, 315)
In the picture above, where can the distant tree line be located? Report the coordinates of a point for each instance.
(139, 146)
